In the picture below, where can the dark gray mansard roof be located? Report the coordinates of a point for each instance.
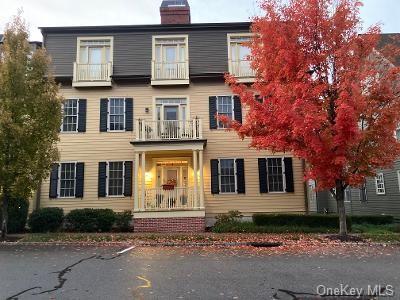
(152, 27)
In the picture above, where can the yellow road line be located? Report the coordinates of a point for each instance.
(146, 286)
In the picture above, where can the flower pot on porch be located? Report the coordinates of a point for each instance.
(168, 187)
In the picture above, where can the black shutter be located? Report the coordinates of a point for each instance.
(80, 178)
(262, 175)
(53, 181)
(289, 174)
(241, 186)
(128, 179)
(103, 114)
(214, 176)
(237, 109)
(129, 114)
(213, 111)
(82, 115)
(102, 179)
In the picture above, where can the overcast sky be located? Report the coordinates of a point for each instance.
(105, 12)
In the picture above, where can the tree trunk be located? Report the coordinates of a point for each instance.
(341, 208)
(5, 215)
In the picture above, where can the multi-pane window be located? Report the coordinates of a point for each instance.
(227, 176)
(116, 114)
(276, 177)
(380, 184)
(67, 178)
(224, 108)
(398, 133)
(115, 178)
(239, 53)
(94, 51)
(398, 178)
(170, 57)
(347, 194)
(70, 115)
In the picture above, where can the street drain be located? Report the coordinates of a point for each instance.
(264, 244)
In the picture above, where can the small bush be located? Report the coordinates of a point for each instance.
(17, 215)
(373, 219)
(312, 221)
(90, 220)
(48, 219)
(123, 221)
(230, 217)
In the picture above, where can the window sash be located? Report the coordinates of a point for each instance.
(227, 176)
(89, 47)
(115, 179)
(276, 175)
(70, 109)
(169, 50)
(116, 114)
(67, 180)
(225, 107)
(380, 184)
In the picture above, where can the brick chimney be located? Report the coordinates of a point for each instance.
(175, 12)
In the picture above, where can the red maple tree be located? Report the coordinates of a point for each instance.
(328, 95)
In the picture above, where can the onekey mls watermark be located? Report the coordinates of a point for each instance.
(346, 290)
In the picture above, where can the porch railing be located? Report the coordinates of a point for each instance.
(170, 71)
(241, 68)
(168, 130)
(179, 198)
(92, 72)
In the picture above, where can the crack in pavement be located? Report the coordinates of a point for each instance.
(60, 277)
(15, 297)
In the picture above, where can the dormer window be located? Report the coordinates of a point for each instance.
(170, 60)
(93, 66)
(238, 53)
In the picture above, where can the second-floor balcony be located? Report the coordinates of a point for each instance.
(166, 73)
(173, 130)
(242, 70)
(92, 74)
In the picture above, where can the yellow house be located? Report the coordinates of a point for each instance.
(139, 130)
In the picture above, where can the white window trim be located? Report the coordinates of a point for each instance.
(219, 175)
(283, 174)
(108, 178)
(94, 38)
(77, 117)
(59, 180)
(108, 114)
(186, 97)
(179, 36)
(398, 178)
(229, 37)
(376, 184)
(233, 110)
(346, 200)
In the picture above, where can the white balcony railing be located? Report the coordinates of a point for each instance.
(168, 130)
(170, 71)
(178, 198)
(241, 68)
(92, 72)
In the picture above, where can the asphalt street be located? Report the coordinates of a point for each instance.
(70, 272)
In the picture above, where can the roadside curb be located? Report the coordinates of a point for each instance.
(149, 244)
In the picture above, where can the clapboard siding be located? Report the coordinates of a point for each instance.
(208, 49)
(93, 146)
(375, 204)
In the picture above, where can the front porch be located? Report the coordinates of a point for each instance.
(168, 181)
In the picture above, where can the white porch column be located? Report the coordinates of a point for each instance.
(201, 179)
(143, 180)
(195, 176)
(136, 184)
